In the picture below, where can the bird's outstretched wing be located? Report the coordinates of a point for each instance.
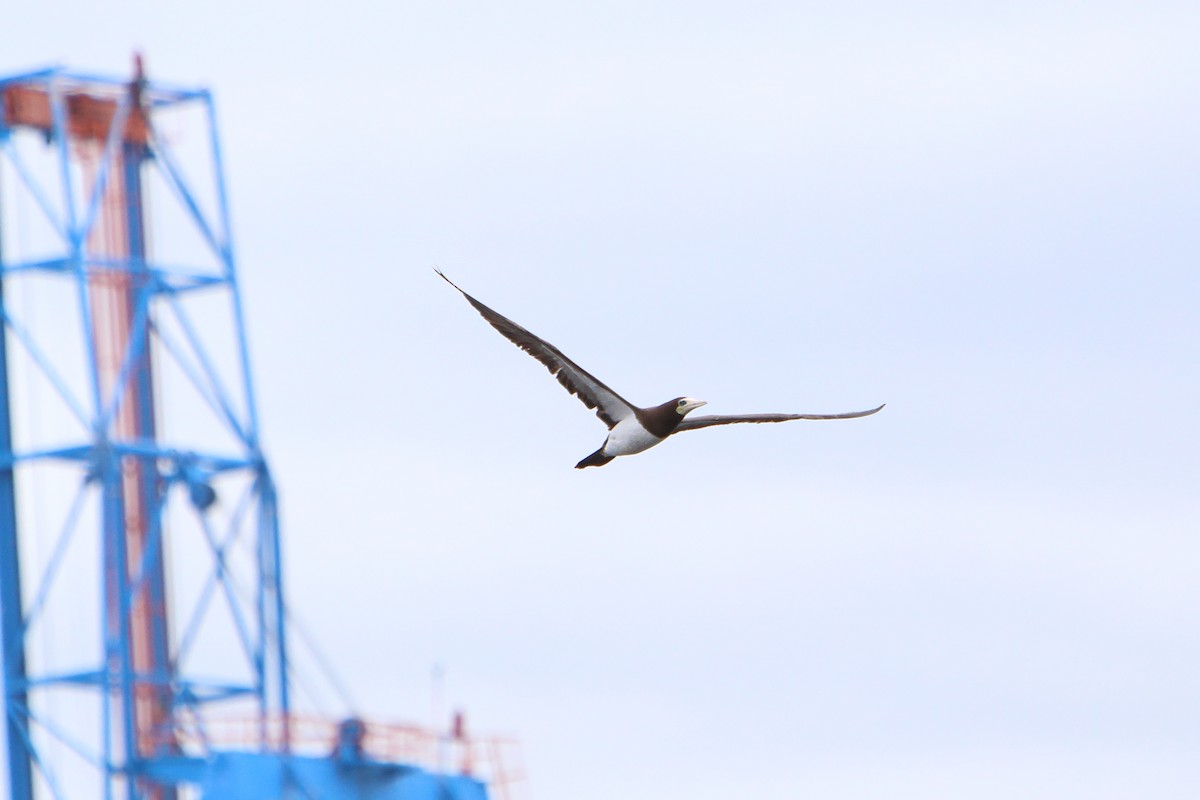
(610, 407)
(692, 423)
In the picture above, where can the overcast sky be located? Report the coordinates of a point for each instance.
(984, 215)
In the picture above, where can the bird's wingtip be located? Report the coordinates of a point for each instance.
(442, 275)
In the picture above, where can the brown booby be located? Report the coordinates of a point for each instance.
(630, 429)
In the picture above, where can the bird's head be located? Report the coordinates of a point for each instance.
(685, 404)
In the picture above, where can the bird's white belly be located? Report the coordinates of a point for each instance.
(629, 437)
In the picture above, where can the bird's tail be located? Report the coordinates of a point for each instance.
(596, 459)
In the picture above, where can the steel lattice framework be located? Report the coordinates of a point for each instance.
(117, 683)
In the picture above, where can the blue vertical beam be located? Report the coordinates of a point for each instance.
(226, 237)
(16, 727)
(272, 578)
(118, 650)
(262, 645)
(75, 236)
(142, 378)
(269, 600)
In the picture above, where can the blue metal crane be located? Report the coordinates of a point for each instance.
(116, 678)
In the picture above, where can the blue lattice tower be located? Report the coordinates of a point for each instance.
(141, 599)
(78, 153)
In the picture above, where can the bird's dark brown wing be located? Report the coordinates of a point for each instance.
(610, 407)
(692, 423)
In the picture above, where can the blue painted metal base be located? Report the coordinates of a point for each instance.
(255, 776)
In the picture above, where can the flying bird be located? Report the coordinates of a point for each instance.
(630, 429)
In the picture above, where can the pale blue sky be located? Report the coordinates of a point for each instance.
(985, 217)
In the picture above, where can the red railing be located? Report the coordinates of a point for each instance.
(494, 760)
